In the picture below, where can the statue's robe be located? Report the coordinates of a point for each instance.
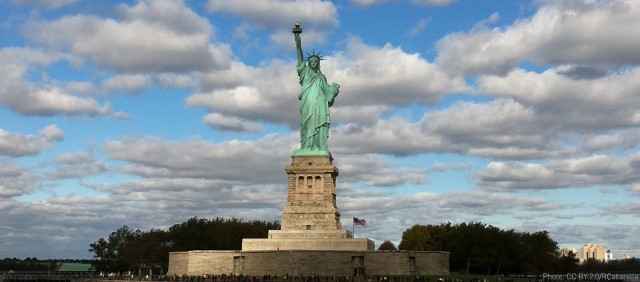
(315, 98)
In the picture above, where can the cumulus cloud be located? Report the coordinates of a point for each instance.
(222, 122)
(39, 99)
(373, 78)
(501, 129)
(279, 13)
(18, 145)
(150, 36)
(29, 56)
(475, 203)
(623, 208)
(155, 158)
(150, 157)
(577, 172)
(76, 165)
(625, 139)
(317, 16)
(572, 104)
(310, 38)
(149, 203)
(15, 181)
(582, 72)
(587, 33)
(130, 83)
(374, 170)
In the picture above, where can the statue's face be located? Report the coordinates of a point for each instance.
(314, 63)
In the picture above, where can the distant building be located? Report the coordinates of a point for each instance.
(594, 252)
(564, 252)
(608, 256)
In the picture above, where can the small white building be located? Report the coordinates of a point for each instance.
(608, 256)
(594, 252)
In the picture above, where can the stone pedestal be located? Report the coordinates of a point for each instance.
(311, 197)
(311, 220)
(311, 240)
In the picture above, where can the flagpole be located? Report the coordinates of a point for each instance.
(353, 228)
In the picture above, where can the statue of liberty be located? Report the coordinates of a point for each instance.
(316, 96)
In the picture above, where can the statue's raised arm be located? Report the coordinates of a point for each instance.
(297, 29)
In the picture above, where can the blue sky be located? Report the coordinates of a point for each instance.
(521, 114)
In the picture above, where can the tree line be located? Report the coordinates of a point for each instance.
(485, 249)
(474, 247)
(34, 264)
(131, 250)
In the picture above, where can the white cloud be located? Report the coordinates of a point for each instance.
(309, 38)
(155, 158)
(39, 99)
(577, 172)
(372, 79)
(279, 13)
(76, 165)
(150, 36)
(51, 101)
(15, 181)
(317, 17)
(130, 83)
(572, 104)
(17, 145)
(622, 139)
(29, 56)
(498, 129)
(374, 170)
(222, 122)
(195, 158)
(52, 132)
(592, 33)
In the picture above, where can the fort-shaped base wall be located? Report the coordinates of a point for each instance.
(325, 263)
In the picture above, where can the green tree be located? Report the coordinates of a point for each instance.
(109, 252)
(484, 249)
(139, 251)
(387, 246)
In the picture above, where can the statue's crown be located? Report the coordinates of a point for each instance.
(314, 54)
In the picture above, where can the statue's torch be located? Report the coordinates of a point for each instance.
(297, 28)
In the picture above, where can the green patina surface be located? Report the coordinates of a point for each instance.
(316, 96)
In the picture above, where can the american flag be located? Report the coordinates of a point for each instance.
(359, 221)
